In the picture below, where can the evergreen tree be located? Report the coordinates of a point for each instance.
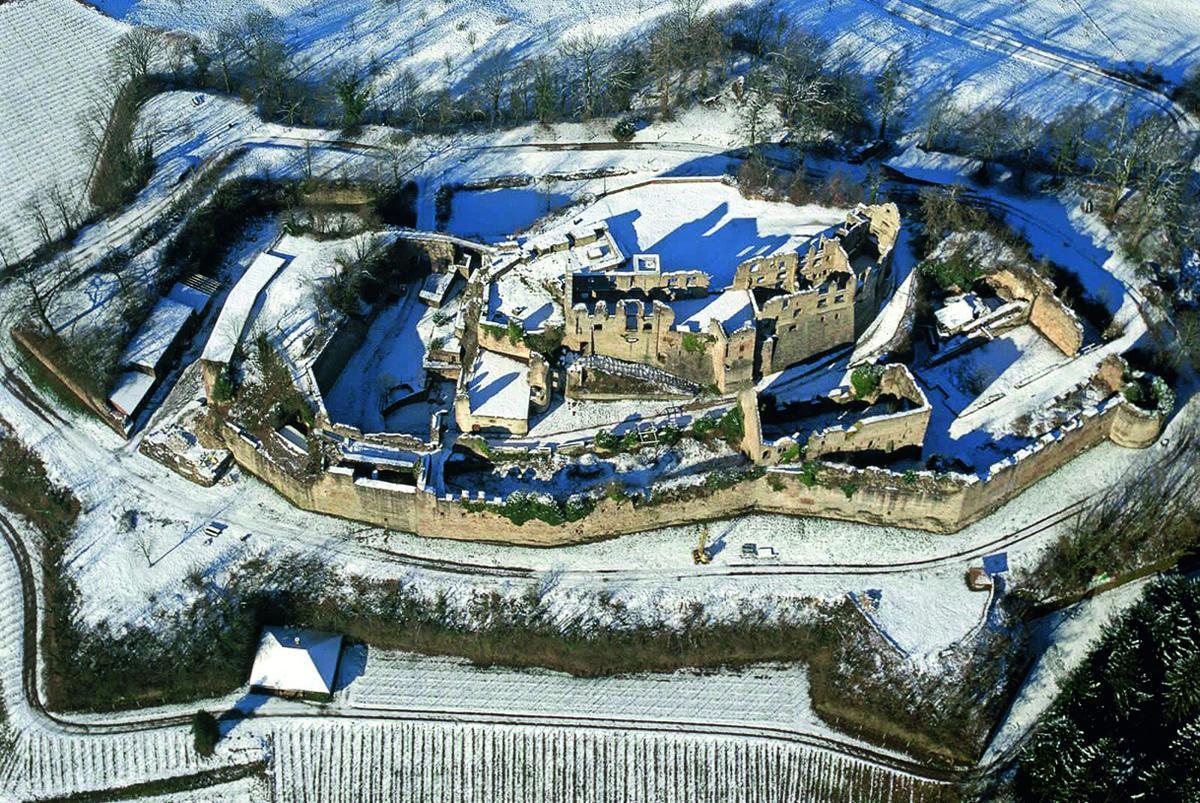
(205, 732)
(1127, 723)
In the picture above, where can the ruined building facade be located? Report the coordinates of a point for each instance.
(779, 310)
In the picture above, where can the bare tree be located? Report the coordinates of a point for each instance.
(1065, 137)
(493, 81)
(7, 251)
(222, 46)
(889, 90)
(35, 213)
(582, 58)
(804, 93)
(662, 64)
(144, 541)
(97, 111)
(37, 298)
(64, 204)
(939, 115)
(179, 49)
(754, 107)
(136, 51)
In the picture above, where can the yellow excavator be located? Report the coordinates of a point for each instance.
(700, 554)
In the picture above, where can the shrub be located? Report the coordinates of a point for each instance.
(791, 454)
(630, 440)
(865, 380)
(205, 239)
(606, 441)
(223, 388)
(515, 332)
(732, 425)
(522, 507)
(849, 489)
(669, 435)
(205, 733)
(545, 342)
(776, 481)
(955, 270)
(808, 474)
(443, 204)
(694, 343)
(624, 130)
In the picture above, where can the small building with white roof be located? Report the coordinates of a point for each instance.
(148, 351)
(296, 662)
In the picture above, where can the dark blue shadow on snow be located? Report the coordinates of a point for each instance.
(485, 386)
(706, 243)
(494, 215)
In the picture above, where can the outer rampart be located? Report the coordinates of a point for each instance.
(939, 503)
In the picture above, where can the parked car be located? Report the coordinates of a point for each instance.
(756, 552)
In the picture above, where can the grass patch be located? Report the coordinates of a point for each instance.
(45, 381)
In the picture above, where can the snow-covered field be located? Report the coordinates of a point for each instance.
(985, 51)
(374, 761)
(53, 57)
(408, 728)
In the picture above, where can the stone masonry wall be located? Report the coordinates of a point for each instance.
(939, 504)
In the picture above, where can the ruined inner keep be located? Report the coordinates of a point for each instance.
(779, 310)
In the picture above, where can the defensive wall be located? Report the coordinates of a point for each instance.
(943, 503)
(1057, 322)
(878, 433)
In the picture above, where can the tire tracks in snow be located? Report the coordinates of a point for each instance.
(998, 41)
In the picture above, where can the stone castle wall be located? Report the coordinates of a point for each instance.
(879, 433)
(1047, 313)
(943, 504)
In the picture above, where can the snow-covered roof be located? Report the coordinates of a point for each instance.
(185, 294)
(731, 308)
(130, 391)
(521, 295)
(295, 660)
(379, 455)
(959, 311)
(499, 386)
(236, 313)
(435, 287)
(157, 334)
(934, 168)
